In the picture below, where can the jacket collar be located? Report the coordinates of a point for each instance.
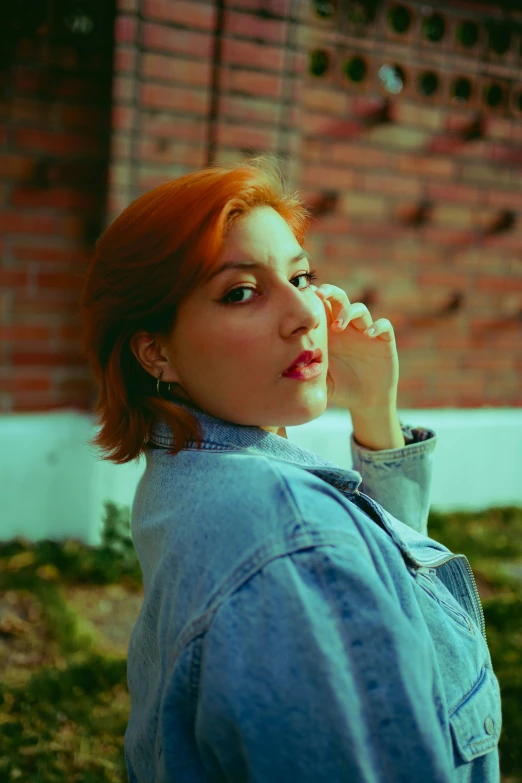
(222, 435)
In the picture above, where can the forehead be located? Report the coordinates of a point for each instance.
(263, 231)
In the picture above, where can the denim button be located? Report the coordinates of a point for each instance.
(489, 725)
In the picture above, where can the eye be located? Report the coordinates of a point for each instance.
(310, 276)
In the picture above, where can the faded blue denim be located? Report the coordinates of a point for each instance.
(298, 625)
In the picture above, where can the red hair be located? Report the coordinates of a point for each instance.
(154, 254)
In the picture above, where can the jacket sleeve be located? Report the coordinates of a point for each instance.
(400, 479)
(311, 671)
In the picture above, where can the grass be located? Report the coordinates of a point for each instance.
(64, 721)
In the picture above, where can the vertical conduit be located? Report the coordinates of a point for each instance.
(132, 191)
(213, 115)
(288, 91)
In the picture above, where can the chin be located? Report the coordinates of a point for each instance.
(307, 411)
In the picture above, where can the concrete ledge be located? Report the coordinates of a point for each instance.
(53, 484)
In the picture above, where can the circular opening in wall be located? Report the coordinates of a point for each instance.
(493, 95)
(461, 90)
(428, 83)
(318, 62)
(499, 38)
(433, 27)
(392, 78)
(399, 18)
(467, 33)
(355, 69)
(324, 9)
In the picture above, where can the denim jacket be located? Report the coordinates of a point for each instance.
(298, 624)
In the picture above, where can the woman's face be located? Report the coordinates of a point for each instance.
(228, 358)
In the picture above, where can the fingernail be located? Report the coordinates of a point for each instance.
(371, 330)
(339, 322)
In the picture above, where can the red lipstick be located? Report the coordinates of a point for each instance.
(307, 365)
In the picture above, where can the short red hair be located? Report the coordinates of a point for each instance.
(154, 254)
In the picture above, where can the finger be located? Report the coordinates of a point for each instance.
(357, 314)
(334, 300)
(383, 329)
(333, 292)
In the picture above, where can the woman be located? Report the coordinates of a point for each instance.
(294, 627)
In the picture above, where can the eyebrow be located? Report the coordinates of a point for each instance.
(253, 264)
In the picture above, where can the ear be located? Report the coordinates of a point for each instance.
(153, 353)
(149, 352)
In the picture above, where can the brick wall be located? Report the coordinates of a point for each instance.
(417, 201)
(55, 105)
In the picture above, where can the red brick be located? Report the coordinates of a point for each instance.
(178, 70)
(13, 278)
(32, 382)
(183, 12)
(179, 41)
(249, 109)
(48, 357)
(251, 54)
(169, 151)
(60, 280)
(41, 253)
(454, 191)
(151, 175)
(171, 126)
(124, 59)
(504, 199)
(332, 127)
(61, 198)
(321, 100)
(432, 166)
(24, 332)
(275, 8)
(246, 136)
(265, 85)
(331, 224)
(252, 26)
(123, 88)
(348, 154)
(17, 167)
(17, 223)
(491, 283)
(87, 117)
(57, 142)
(155, 96)
(69, 332)
(29, 79)
(387, 183)
(125, 29)
(30, 111)
(328, 177)
(121, 145)
(129, 6)
(123, 117)
(447, 236)
(417, 115)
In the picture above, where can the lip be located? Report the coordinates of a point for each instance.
(306, 373)
(305, 357)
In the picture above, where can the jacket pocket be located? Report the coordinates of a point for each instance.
(476, 721)
(458, 615)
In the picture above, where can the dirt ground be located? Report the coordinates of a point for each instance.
(106, 612)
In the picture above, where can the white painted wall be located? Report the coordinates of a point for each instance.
(53, 484)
